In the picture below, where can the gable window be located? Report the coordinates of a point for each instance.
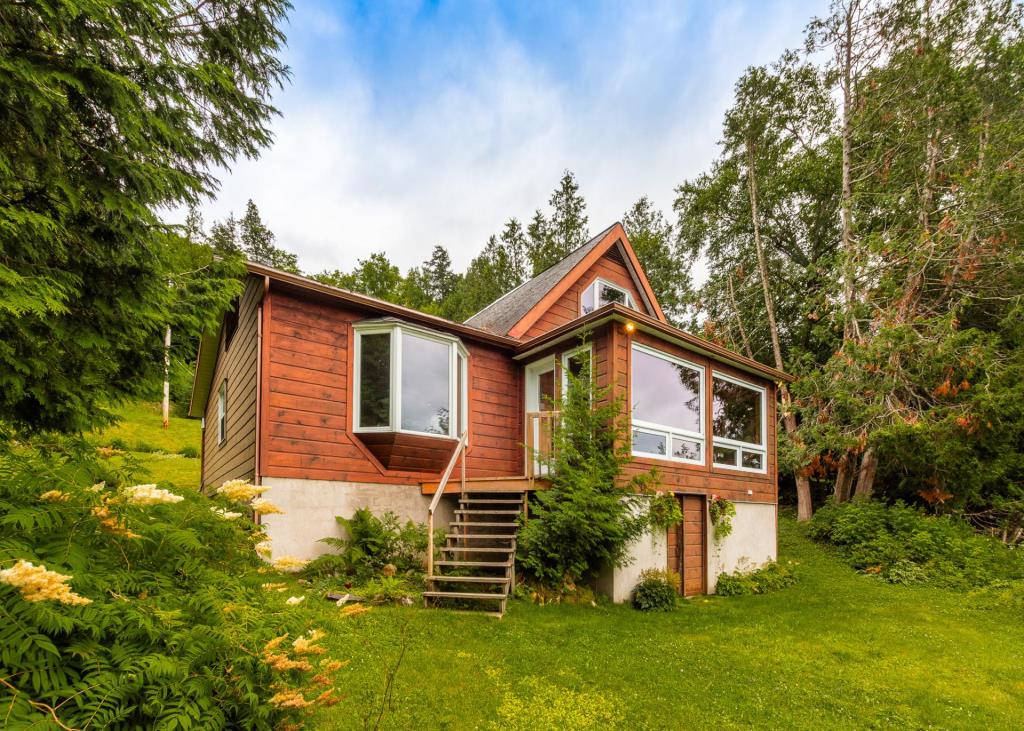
(222, 412)
(738, 424)
(409, 380)
(668, 407)
(601, 293)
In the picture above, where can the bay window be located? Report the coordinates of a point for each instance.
(738, 425)
(668, 407)
(602, 293)
(408, 379)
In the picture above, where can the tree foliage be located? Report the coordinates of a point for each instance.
(111, 111)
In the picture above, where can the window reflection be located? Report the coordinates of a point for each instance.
(426, 366)
(736, 412)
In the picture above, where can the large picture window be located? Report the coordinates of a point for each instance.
(668, 408)
(409, 380)
(602, 293)
(738, 424)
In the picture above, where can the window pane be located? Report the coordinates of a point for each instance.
(644, 441)
(425, 384)
(612, 294)
(724, 455)
(686, 449)
(587, 300)
(375, 379)
(665, 392)
(753, 460)
(736, 412)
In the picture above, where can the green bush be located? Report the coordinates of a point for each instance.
(586, 519)
(144, 447)
(905, 546)
(189, 452)
(369, 545)
(154, 615)
(770, 577)
(657, 591)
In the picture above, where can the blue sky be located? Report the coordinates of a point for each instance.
(408, 124)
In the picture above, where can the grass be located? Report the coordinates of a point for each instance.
(838, 650)
(141, 429)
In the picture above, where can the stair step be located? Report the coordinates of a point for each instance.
(496, 501)
(487, 512)
(481, 536)
(464, 595)
(472, 579)
(483, 525)
(480, 564)
(478, 549)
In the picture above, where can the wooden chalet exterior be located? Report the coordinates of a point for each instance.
(339, 401)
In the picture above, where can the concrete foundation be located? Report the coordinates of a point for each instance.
(310, 507)
(649, 551)
(752, 543)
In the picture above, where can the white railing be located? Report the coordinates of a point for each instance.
(460, 449)
(540, 445)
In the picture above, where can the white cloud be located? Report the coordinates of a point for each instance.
(484, 131)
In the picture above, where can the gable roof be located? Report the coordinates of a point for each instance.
(513, 313)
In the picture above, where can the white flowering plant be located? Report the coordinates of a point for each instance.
(101, 576)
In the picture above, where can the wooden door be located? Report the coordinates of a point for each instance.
(687, 546)
(540, 399)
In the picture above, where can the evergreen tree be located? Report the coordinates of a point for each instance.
(551, 239)
(111, 114)
(652, 238)
(516, 246)
(439, 281)
(258, 242)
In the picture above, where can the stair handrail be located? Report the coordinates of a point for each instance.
(460, 449)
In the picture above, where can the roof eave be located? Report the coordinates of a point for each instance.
(645, 323)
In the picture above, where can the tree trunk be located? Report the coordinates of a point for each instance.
(851, 329)
(739, 321)
(844, 477)
(804, 508)
(866, 476)
(167, 378)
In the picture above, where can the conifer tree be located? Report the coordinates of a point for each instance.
(258, 242)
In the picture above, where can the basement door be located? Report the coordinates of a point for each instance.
(687, 546)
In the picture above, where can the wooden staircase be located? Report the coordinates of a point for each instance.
(477, 566)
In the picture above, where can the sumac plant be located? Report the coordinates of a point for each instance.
(125, 606)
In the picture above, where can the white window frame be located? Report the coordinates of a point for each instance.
(668, 432)
(222, 412)
(566, 356)
(739, 446)
(458, 403)
(595, 286)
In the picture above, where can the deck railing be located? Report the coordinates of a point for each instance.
(540, 444)
(460, 450)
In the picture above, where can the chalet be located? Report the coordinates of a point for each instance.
(340, 401)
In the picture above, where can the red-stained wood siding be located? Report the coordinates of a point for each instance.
(308, 389)
(610, 267)
(235, 457)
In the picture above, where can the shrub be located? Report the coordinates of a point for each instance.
(657, 591)
(585, 521)
(770, 577)
(150, 611)
(189, 452)
(386, 590)
(144, 446)
(904, 545)
(370, 544)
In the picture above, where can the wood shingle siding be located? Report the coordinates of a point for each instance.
(236, 456)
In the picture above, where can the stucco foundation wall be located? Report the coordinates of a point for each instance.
(310, 507)
(646, 552)
(752, 543)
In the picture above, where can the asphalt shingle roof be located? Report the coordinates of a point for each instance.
(501, 315)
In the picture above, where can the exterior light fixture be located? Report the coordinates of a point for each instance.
(630, 327)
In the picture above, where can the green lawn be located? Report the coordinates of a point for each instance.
(838, 650)
(141, 429)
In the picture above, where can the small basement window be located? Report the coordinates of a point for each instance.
(738, 424)
(222, 412)
(410, 380)
(602, 293)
